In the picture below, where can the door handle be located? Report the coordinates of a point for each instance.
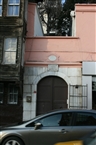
(63, 131)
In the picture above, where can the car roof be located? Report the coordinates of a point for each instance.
(64, 110)
(72, 110)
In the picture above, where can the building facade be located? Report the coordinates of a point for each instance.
(12, 39)
(59, 71)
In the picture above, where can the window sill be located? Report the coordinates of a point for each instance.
(12, 103)
(12, 16)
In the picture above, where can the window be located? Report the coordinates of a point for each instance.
(1, 92)
(86, 119)
(52, 120)
(55, 120)
(10, 47)
(12, 94)
(13, 7)
(66, 119)
(0, 7)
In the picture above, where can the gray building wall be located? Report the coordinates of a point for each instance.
(32, 75)
(88, 72)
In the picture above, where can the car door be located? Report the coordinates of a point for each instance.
(90, 139)
(54, 128)
(84, 123)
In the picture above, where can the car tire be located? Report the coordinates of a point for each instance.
(12, 140)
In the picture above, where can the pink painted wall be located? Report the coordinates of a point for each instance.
(30, 20)
(68, 50)
(85, 26)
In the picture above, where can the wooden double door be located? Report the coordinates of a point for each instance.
(52, 93)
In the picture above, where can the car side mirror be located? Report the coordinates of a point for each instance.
(37, 125)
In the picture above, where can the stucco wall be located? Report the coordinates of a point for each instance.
(66, 49)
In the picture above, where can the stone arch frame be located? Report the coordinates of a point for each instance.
(58, 74)
(41, 76)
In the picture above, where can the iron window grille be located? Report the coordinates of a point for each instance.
(78, 97)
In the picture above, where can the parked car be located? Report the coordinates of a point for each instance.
(89, 139)
(50, 128)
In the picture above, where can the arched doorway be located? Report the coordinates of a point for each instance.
(52, 93)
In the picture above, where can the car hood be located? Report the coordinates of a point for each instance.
(12, 127)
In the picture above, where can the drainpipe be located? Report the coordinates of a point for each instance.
(72, 14)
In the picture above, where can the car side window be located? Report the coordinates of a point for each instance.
(49, 121)
(66, 119)
(85, 119)
(54, 120)
(62, 119)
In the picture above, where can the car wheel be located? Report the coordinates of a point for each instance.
(12, 141)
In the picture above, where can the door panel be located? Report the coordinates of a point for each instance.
(59, 97)
(81, 131)
(84, 124)
(50, 135)
(52, 94)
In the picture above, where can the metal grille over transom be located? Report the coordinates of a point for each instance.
(52, 93)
